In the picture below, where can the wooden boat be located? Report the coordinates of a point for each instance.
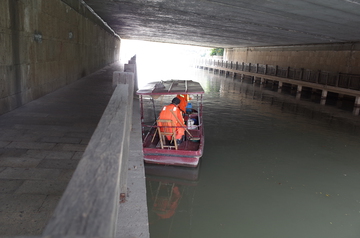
(152, 98)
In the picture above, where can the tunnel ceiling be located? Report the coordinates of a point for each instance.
(232, 23)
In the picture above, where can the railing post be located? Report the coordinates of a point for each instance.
(242, 66)
(349, 81)
(237, 65)
(337, 80)
(266, 69)
(287, 72)
(276, 70)
(318, 76)
(257, 68)
(249, 67)
(131, 67)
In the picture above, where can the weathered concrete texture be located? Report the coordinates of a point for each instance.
(40, 146)
(344, 58)
(46, 45)
(233, 23)
(133, 213)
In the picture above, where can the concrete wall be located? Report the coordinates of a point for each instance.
(343, 58)
(46, 44)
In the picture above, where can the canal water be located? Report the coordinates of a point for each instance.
(273, 167)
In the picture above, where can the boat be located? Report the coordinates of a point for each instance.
(153, 97)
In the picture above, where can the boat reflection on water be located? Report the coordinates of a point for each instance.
(170, 195)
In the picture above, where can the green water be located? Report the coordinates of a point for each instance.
(273, 167)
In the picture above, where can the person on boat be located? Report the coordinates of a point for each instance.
(184, 99)
(172, 112)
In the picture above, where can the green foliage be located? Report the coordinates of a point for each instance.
(217, 52)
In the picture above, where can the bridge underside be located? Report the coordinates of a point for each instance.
(232, 23)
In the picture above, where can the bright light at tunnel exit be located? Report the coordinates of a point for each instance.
(161, 61)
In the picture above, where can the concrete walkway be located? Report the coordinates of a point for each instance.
(41, 144)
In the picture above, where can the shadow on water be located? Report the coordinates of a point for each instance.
(273, 166)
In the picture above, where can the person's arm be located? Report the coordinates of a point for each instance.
(180, 117)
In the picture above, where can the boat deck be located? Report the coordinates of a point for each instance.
(189, 144)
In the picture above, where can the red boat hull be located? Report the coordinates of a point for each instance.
(172, 160)
(181, 157)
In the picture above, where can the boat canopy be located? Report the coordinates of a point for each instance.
(171, 87)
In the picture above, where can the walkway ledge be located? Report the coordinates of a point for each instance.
(106, 196)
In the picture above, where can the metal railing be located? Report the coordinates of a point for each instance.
(341, 80)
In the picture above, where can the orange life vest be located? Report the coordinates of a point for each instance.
(167, 113)
(184, 98)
